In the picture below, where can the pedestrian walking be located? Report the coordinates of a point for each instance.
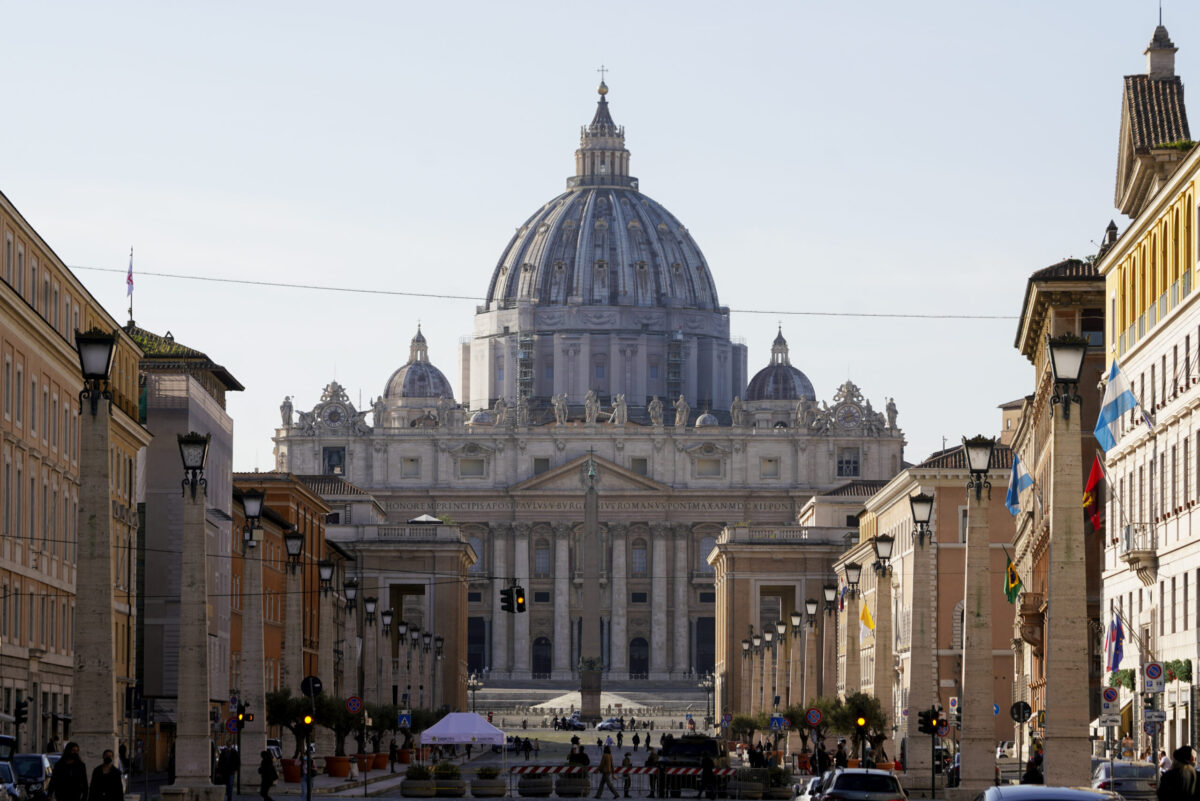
(537, 748)
(626, 778)
(69, 781)
(606, 774)
(228, 763)
(637, 740)
(527, 747)
(267, 775)
(652, 764)
(708, 782)
(840, 758)
(106, 780)
(1180, 781)
(620, 739)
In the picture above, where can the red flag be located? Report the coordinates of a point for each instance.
(1089, 494)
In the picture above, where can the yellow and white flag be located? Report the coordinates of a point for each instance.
(866, 624)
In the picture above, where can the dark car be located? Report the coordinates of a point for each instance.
(861, 784)
(1133, 780)
(688, 751)
(9, 789)
(573, 723)
(33, 773)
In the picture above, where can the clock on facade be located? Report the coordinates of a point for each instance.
(333, 415)
(848, 415)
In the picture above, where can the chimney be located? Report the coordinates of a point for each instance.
(1160, 55)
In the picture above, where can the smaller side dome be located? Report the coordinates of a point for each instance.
(481, 418)
(705, 420)
(418, 378)
(779, 380)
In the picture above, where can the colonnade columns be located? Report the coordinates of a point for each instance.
(826, 683)
(743, 706)
(884, 670)
(922, 684)
(500, 661)
(251, 685)
(618, 662)
(658, 603)
(562, 601)
(977, 736)
(370, 635)
(520, 639)
(682, 662)
(755, 680)
(812, 659)
(850, 625)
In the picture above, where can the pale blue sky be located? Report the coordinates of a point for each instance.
(919, 157)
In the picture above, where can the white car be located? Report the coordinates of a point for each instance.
(807, 789)
(610, 724)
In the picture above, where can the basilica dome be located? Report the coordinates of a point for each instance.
(419, 378)
(779, 380)
(602, 242)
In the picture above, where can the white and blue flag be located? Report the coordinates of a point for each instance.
(1017, 483)
(1118, 399)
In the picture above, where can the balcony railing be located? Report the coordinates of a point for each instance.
(798, 534)
(1138, 537)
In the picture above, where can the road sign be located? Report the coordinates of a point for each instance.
(953, 702)
(1110, 694)
(995, 709)
(813, 717)
(688, 716)
(943, 729)
(1110, 720)
(1154, 715)
(310, 687)
(231, 725)
(778, 722)
(1041, 719)
(728, 717)
(1150, 728)
(1020, 712)
(724, 724)
(354, 705)
(233, 703)
(1153, 680)
(403, 721)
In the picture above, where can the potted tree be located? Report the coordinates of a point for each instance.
(333, 715)
(488, 784)
(447, 780)
(287, 711)
(383, 724)
(418, 783)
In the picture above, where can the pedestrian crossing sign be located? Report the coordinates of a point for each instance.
(404, 721)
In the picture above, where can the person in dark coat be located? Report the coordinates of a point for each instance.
(1179, 782)
(69, 781)
(106, 780)
(1032, 775)
(708, 783)
(228, 763)
(267, 775)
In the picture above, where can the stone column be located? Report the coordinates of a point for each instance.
(682, 662)
(370, 650)
(977, 737)
(744, 692)
(500, 659)
(827, 673)
(1067, 747)
(809, 688)
(658, 604)
(521, 645)
(884, 670)
(922, 682)
(251, 689)
(325, 667)
(850, 627)
(618, 665)
(192, 754)
(562, 601)
(292, 667)
(95, 710)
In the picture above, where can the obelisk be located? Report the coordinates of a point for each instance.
(591, 658)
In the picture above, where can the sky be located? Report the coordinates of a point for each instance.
(832, 160)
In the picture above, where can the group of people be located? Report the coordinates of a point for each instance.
(69, 781)
(1179, 782)
(229, 762)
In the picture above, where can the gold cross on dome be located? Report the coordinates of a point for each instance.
(602, 70)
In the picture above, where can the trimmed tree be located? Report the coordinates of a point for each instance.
(287, 711)
(333, 715)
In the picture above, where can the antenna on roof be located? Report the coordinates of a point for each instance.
(1160, 12)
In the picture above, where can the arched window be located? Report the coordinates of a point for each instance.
(541, 559)
(706, 546)
(639, 565)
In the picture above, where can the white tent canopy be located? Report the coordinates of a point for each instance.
(459, 728)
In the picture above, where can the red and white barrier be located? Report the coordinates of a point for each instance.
(617, 771)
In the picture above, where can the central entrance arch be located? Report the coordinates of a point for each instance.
(639, 658)
(541, 658)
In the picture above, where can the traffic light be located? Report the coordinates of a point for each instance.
(519, 593)
(926, 721)
(21, 712)
(305, 727)
(860, 724)
(506, 600)
(241, 716)
(958, 715)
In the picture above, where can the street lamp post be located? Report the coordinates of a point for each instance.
(976, 739)
(414, 642)
(745, 705)
(370, 650)
(853, 678)
(435, 667)
(884, 671)
(292, 673)
(756, 642)
(474, 685)
(95, 677)
(922, 684)
(251, 683)
(402, 648)
(192, 777)
(780, 652)
(1067, 755)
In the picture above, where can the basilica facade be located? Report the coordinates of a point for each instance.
(601, 343)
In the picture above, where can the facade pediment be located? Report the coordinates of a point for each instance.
(610, 477)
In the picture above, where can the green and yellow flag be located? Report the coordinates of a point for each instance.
(1012, 582)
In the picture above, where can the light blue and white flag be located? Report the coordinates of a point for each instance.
(1118, 399)
(1017, 483)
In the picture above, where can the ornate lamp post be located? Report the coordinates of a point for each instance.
(192, 777)
(293, 632)
(780, 653)
(414, 642)
(745, 705)
(706, 684)
(853, 678)
(95, 678)
(252, 683)
(402, 646)
(1067, 748)
(922, 512)
(474, 685)
(923, 691)
(325, 575)
(976, 738)
(350, 588)
(883, 553)
(756, 693)
(435, 667)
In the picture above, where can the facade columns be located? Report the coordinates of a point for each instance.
(658, 603)
(682, 663)
(562, 601)
(755, 680)
(500, 658)
(810, 690)
(292, 666)
(884, 671)
(521, 644)
(976, 739)
(922, 684)
(322, 735)
(853, 678)
(618, 664)
(370, 640)
(1068, 753)
(95, 707)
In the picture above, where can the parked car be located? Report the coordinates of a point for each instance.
(9, 789)
(861, 784)
(610, 724)
(807, 789)
(1133, 780)
(33, 773)
(573, 723)
(1041, 792)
